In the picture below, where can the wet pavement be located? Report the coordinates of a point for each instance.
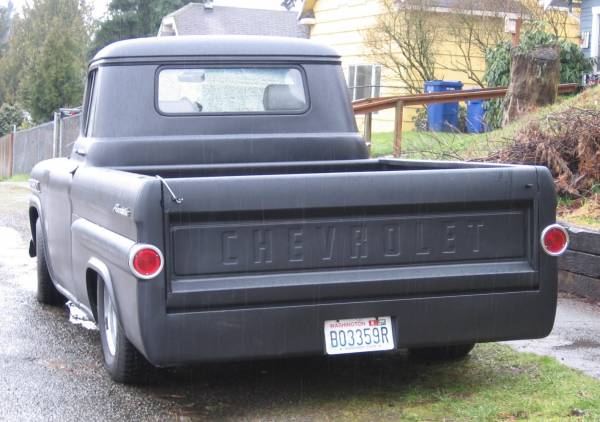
(50, 367)
(575, 339)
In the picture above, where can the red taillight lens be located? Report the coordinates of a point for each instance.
(555, 240)
(145, 261)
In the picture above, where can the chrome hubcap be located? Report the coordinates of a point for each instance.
(110, 323)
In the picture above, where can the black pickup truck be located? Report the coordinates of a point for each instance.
(220, 204)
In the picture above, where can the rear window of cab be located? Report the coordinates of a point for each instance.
(231, 90)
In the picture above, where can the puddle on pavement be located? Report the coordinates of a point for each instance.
(580, 344)
(78, 317)
(539, 346)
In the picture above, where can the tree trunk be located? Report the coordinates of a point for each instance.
(534, 80)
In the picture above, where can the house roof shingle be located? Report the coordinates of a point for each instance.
(492, 6)
(196, 19)
(499, 7)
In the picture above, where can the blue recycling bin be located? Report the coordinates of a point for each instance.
(443, 117)
(476, 116)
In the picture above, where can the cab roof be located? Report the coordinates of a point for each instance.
(197, 46)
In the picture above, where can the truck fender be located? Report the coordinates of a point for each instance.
(100, 268)
(35, 213)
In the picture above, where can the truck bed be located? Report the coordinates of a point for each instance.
(300, 167)
(316, 232)
(450, 250)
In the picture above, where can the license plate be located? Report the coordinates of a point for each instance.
(358, 335)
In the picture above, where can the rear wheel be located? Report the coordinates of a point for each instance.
(442, 353)
(121, 359)
(46, 291)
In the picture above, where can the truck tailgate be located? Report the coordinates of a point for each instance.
(308, 238)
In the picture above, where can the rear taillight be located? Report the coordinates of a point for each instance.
(555, 240)
(145, 261)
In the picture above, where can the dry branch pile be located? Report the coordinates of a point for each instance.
(567, 142)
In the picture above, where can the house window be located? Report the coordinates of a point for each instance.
(364, 81)
(595, 47)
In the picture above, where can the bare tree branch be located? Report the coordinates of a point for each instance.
(404, 41)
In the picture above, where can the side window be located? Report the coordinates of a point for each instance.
(89, 102)
(364, 81)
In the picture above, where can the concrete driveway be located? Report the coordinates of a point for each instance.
(575, 339)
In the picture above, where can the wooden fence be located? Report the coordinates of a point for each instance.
(371, 105)
(20, 151)
(6, 156)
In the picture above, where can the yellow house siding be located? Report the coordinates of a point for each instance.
(342, 25)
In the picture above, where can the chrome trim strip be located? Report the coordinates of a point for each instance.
(35, 185)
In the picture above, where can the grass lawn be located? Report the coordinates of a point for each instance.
(16, 178)
(584, 212)
(425, 145)
(449, 146)
(494, 383)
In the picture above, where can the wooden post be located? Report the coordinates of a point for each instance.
(398, 129)
(56, 134)
(11, 142)
(368, 126)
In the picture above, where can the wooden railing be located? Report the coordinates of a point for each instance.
(371, 105)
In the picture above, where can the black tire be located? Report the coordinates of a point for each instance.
(442, 353)
(46, 291)
(123, 363)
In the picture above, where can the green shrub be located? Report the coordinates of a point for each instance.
(420, 120)
(498, 60)
(10, 116)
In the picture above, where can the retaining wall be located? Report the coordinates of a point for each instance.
(579, 267)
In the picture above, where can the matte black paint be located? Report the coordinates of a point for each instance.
(285, 222)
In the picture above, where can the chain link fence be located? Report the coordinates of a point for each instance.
(22, 150)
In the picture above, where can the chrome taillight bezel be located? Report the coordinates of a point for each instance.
(132, 253)
(543, 236)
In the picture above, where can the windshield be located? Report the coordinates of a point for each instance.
(231, 90)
